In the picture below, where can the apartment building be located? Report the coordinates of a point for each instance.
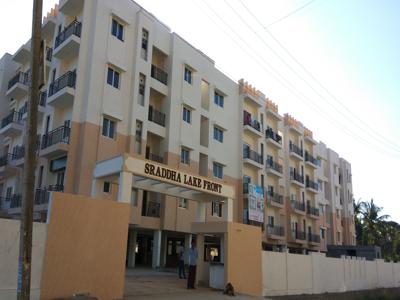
(122, 87)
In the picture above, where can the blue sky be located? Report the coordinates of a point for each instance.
(350, 46)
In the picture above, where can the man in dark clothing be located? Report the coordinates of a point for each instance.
(193, 255)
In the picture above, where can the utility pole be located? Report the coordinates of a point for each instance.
(25, 246)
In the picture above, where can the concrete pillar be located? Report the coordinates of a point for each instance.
(156, 249)
(228, 210)
(95, 183)
(132, 248)
(201, 212)
(125, 187)
(164, 246)
(200, 272)
(222, 249)
(188, 242)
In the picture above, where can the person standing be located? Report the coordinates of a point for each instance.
(181, 255)
(193, 255)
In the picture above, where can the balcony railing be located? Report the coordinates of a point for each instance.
(311, 184)
(42, 99)
(41, 196)
(155, 157)
(156, 116)
(308, 157)
(296, 149)
(276, 230)
(20, 77)
(274, 165)
(274, 197)
(74, 28)
(159, 74)
(248, 120)
(13, 117)
(58, 135)
(297, 177)
(312, 211)
(16, 201)
(49, 54)
(56, 188)
(152, 209)
(252, 155)
(18, 152)
(298, 235)
(269, 133)
(5, 159)
(298, 205)
(66, 80)
(314, 238)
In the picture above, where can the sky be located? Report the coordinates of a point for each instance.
(334, 65)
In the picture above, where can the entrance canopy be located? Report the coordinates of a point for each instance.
(148, 175)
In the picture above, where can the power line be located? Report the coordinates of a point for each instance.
(290, 88)
(377, 135)
(291, 13)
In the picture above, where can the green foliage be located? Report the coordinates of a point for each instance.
(373, 229)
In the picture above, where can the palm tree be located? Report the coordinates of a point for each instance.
(372, 221)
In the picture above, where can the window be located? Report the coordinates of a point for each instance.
(9, 192)
(218, 134)
(336, 190)
(182, 203)
(107, 187)
(108, 128)
(219, 99)
(338, 236)
(142, 86)
(117, 30)
(134, 197)
(216, 209)
(145, 41)
(271, 221)
(113, 77)
(188, 75)
(187, 115)
(217, 170)
(322, 233)
(185, 156)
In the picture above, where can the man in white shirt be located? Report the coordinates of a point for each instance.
(193, 255)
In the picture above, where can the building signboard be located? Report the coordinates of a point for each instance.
(256, 203)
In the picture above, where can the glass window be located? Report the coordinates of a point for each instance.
(113, 77)
(216, 209)
(117, 30)
(185, 156)
(271, 221)
(183, 203)
(219, 99)
(106, 187)
(187, 115)
(188, 75)
(218, 134)
(108, 129)
(217, 170)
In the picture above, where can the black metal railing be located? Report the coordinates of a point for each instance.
(58, 135)
(314, 238)
(156, 116)
(18, 152)
(66, 80)
(152, 209)
(74, 28)
(298, 205)
(311, 184)
(253, 155)
(275, 230)
(271, 134)
(245, 188)
(49, 54)
(13, 117)
(274, 165)
(20, 77)
(308, 157)
(311, 210)
(296, 176)
(5, 159)
(56, 188)
(159, 74)
(295, 149)
(155, 157)
(248, 120)
(42, 196)
(298, 235)
(274, 197)
(16, 201)
(43, 99)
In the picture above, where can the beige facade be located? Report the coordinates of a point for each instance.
(120, 83)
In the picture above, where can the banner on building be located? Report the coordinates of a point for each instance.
(256, 203)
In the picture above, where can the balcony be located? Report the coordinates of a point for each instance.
(273, 137)
(274, 168)
(275, 232)
(155, 157)
(251, 125)
(23, 54)
(311, 186)
(314, 239)
(49, 26)
(62, 90)
(18, 86)
(252, 158)
(67, 42)
(49, 58)
(151, 209)
(16, 201)
(71, 7)
(18, 155)
(296, 178)
(42, 197)
(299, 236)
(156, 116)
(12, 125)
(159, 74)
(7, 168)
(298, 207)
(295, 150)
(55, 143)
(275, 199)
(313, 211)
(310, 160)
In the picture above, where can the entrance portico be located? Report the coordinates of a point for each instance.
(130, 172)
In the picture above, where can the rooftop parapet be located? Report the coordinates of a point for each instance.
(291, 121)
(246, 88)
(52, 13)
(272, 106)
